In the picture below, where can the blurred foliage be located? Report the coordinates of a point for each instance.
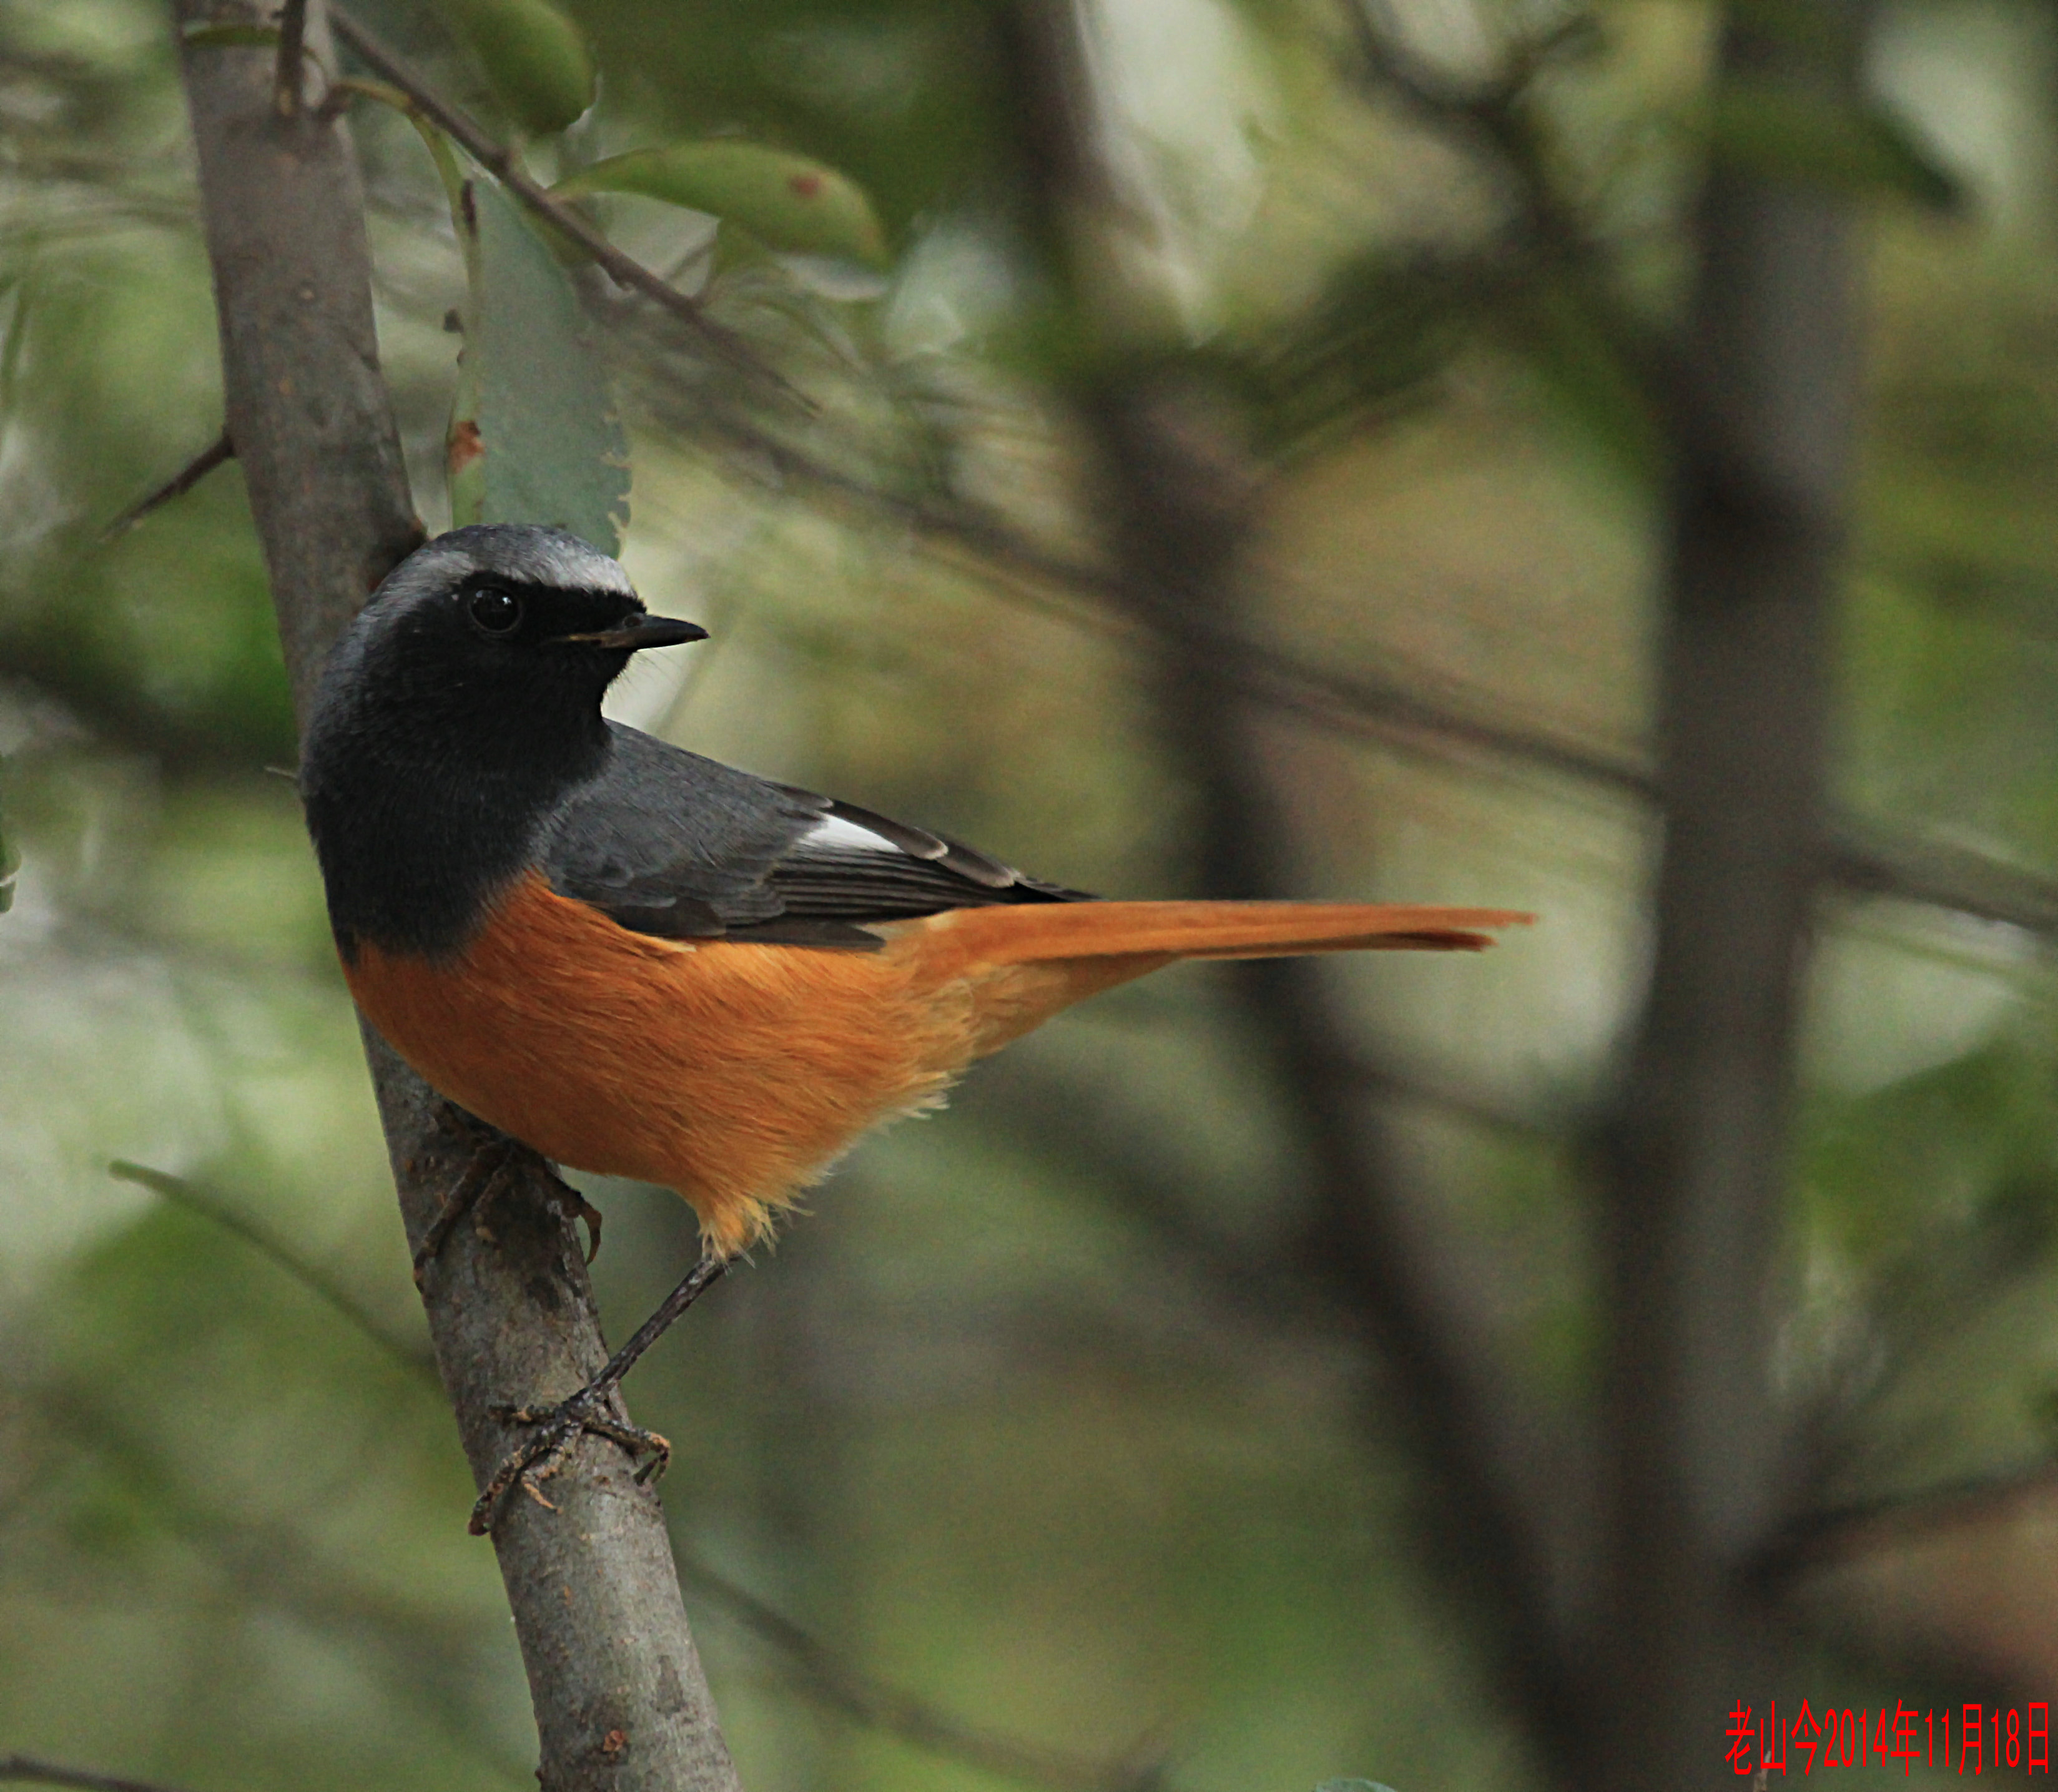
(1764, 128)
(788, 201)
(992, 1422)
(533, 57)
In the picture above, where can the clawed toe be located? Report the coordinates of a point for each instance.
(486, 1174)
(580, 1208)
(557, 1429)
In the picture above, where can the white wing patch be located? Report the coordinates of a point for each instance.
(833, 833)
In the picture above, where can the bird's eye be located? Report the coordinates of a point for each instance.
(495, 611)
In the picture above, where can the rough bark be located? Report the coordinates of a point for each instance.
(1698, 1149)
(619, 1696)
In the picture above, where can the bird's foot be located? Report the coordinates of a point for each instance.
(558, 1428)
(591, 1409)
(487, 1173)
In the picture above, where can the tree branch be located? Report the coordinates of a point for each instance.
(1501, 1487)
(497, 159)
(825, 1677)
(619, 1696)
(209, 1206)
(292, 45)
(1814, 1537)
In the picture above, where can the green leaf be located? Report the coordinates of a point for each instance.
(789, 201)
(535, 58)
(534, 437)
(1788, 133)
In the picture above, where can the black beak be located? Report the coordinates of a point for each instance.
(641, 631)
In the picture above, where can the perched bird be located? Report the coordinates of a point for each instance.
(639, 962)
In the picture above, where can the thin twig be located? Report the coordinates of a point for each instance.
(217, 453)
(26, 1767)
(826, 1678)
(414, 1647)
(292, 38)
(499, 160)
(1496, 116)
(1849, 1530)
(195, 1200)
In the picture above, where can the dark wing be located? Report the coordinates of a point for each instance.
(670, 843)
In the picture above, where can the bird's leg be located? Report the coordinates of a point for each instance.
(486, 1176)
(593, 1409)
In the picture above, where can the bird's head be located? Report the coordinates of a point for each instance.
(506, 608)
(491, 641)
(454, 713)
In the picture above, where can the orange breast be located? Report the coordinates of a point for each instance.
(734, 1073)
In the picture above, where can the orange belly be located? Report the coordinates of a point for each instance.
(735, 1073)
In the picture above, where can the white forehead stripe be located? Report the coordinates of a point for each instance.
(530, 556)
(836, 834)
(556, 560)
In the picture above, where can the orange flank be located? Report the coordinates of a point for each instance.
(737, 1073)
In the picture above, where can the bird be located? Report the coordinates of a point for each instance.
(637, 961)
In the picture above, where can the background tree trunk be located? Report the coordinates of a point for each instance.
(1698, 1148)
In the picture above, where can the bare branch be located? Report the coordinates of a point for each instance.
(1867, 1525)
(500, 162)
(217, 453)
(1177, 496)
(1499, 1486)
(1695, 1152)
(210, 1206)
(825, 1677)
(420, 1652)
(24, 1768)
(1495, 117)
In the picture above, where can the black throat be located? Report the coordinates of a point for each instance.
(426, 804)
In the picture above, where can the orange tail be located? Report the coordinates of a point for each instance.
(1022, 964)
(1172, 930)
